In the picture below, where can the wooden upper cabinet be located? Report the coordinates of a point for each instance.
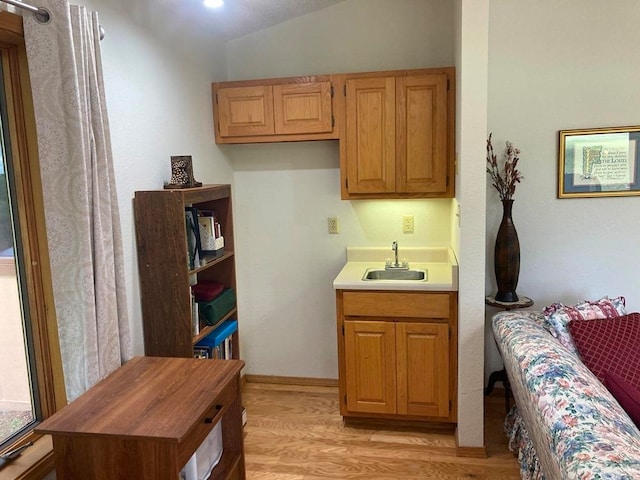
(303, 108)
(245, 111)
(421, 153)
(370, 140)
(396, 128)
(274, 110)
(398, 139)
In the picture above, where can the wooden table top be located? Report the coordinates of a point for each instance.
(129, 402)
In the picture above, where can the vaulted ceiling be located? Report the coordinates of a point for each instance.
(235, 19)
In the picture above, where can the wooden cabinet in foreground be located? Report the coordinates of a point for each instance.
(274, 110)
(397, 355)
(398, 137)
(146, 420)
(165, 271)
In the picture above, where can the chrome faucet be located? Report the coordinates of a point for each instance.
(394, 247)
(396, 265)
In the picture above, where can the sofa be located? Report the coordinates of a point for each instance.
(565, 422)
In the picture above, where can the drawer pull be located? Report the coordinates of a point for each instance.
(210, 419)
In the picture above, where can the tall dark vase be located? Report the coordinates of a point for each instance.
(507, 256)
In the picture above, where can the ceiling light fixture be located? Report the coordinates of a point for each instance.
(213, 3)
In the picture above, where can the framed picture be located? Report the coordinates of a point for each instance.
(599, 162)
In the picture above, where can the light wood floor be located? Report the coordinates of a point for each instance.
(297, 433)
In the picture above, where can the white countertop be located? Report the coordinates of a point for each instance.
(440, 262)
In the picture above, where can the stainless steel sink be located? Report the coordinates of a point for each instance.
(392, 274)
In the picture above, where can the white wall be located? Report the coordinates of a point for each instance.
(284, 192)
(352, 36)
(159, 104)
(556, 66)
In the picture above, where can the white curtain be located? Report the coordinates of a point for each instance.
(81, 208)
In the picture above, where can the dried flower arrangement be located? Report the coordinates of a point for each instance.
(505, 181)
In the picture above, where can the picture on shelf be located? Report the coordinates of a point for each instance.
(211, 238)
(207, 224)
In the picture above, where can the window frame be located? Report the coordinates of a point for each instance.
(37, 461)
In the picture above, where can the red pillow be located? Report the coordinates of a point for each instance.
(610, 344)
(628, 396)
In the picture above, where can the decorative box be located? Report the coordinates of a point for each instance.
(207, 291)
(211, 312)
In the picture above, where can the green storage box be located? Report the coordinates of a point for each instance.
(211, 312)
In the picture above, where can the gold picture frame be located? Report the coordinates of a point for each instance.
(599, 162)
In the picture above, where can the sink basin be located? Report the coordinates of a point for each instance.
(404, 275)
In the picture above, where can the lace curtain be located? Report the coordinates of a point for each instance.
(81, 208)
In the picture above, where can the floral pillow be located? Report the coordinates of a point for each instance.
(557, 316)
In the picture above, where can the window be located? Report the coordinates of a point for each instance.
(19, 407)
(24, 254)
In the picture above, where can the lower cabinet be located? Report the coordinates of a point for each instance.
(397, 355)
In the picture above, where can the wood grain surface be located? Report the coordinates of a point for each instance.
(297, 433)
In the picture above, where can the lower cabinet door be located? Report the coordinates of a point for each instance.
(422, 351)
(370, 361)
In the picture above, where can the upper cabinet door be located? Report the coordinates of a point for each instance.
(245, 111)
(303, 108)
(422, 157)
(370, 137)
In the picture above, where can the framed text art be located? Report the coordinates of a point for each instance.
(599, 162)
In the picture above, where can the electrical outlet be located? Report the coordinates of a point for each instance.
(407, 224)
(333, 225)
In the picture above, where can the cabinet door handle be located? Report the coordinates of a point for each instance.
(211, 419)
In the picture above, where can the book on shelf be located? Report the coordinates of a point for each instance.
(228, 348)
(190, 241)
(218, 352)
(218, 344)
(200, 352)
(194, 246)
(195, 317)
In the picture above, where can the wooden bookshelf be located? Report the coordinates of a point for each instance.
(163, 265)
